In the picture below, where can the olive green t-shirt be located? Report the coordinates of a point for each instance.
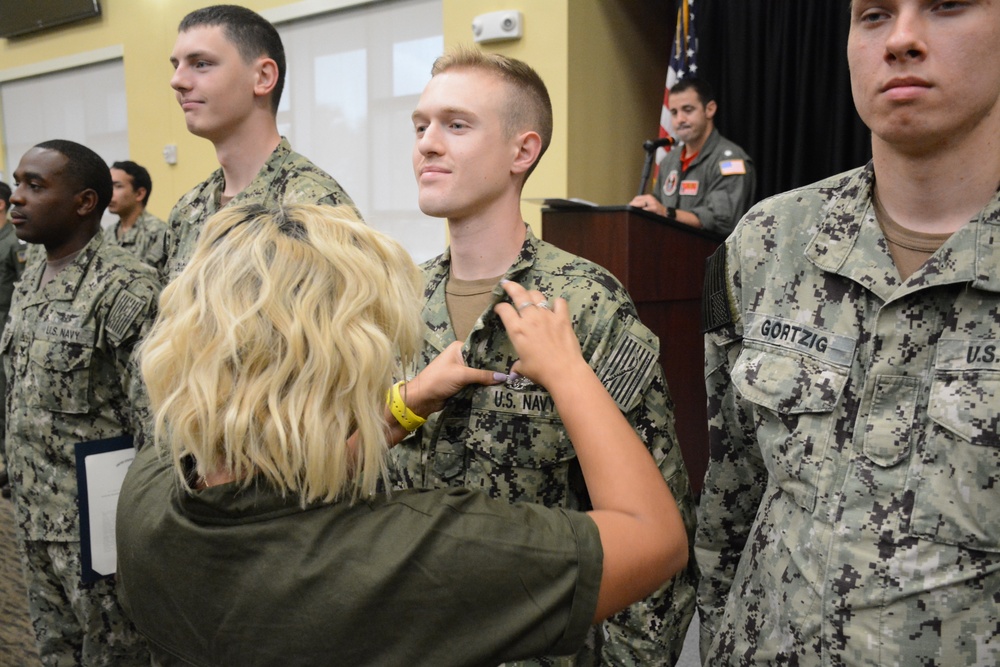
(446, 577)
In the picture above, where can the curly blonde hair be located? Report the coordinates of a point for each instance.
(277, 342)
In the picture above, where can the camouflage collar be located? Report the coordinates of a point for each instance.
(436, 270)
(849, 229)
(436, 276)
(526, 258)
(987, 231)
(66, 284)
(264, 180)
(214, 185)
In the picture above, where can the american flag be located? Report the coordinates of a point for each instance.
(682, 64)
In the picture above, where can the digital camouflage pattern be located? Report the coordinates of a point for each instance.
(109, 637)
(849, 514)
(148, 239)
(719, 200)
(66, 354)
(510, 441)
(286, 178)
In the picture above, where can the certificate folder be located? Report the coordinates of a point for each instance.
(100, 470)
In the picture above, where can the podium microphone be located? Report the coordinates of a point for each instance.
(650, 146)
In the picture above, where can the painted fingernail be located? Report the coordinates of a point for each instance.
(500, 377)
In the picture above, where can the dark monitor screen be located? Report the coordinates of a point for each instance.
(19, 17)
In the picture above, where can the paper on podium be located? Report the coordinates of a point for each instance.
(556, 202)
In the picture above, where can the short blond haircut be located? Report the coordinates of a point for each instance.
(277, 342)
(529, 106)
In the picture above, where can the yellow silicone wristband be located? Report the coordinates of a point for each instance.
(406, 417)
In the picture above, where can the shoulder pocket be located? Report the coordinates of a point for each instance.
(793, 399)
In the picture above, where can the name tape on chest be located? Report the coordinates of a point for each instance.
(515, 400)
(54, 331)
(806, 339)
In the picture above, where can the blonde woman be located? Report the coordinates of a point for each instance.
(255, 531)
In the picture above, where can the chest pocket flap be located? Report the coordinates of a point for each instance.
(793, 397)
(60, 376)
(957, 487)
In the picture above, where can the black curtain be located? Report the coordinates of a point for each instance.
(779, 69)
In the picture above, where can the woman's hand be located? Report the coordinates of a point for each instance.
(541, 333)
(444, 377)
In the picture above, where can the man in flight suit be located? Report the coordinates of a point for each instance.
(707, 181)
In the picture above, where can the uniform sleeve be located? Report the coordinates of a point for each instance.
(650, 632)
(130, 318)
(160, 246)
(173, 244)
(728, 198)
(661, 176)
(736, 477)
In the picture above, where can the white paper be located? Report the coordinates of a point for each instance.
(105, 474)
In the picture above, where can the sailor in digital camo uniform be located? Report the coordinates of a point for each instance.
(849, 513)
(481, 125)
(137, 230)
(219, 49)
(76, 317)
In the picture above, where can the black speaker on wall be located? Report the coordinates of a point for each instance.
(22, 17)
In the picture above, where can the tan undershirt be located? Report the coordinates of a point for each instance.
(909, 249)
(53, 267)
(466, 301)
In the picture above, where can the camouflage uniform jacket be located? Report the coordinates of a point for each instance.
(66, 353)
(850, 510)
(149, 239)
(286, 178)
(510, 441)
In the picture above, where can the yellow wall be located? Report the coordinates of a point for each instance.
(603, 61)
(618, 53)
(544, 47)
(145, 29)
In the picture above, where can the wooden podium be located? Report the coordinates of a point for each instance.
(662, 265)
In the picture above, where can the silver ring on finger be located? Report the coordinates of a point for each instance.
(525, 305)
(543, 304)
